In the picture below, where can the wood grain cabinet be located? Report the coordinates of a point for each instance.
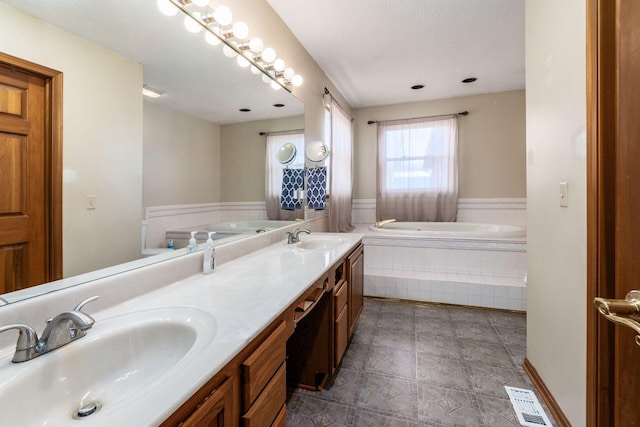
(211, 406)
(264, 381)
(355, 278)
(303, 346)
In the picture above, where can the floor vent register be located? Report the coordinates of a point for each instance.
(527, 407)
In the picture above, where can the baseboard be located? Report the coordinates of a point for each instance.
(560, 417)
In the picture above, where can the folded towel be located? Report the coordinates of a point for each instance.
(292, 179)
(316, 188)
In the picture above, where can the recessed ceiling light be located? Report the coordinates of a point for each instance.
(278, 105)
(245, 110)
(469, 80)
(416, 87)
(152, 92)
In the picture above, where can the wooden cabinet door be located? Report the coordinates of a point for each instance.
(216, 410)
(355, 279)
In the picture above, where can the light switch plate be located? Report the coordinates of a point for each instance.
(90, 202)
(564, 194)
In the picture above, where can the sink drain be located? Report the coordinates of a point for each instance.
(86, 410)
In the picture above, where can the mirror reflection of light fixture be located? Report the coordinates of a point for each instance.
(286, 153)
(200, 15)
(152, 92)
(316, 151)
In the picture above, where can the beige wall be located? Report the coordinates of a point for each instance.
(556, 111)
(491, 142)
(243, 151)
(266, 24)
(102, 139)
(181, 158)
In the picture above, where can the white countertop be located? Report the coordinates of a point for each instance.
(244, 296)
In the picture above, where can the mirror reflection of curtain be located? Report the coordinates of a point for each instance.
(341, 182)
(273, 171)
(418, 169)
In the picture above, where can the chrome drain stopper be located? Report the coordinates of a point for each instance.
(86, 410)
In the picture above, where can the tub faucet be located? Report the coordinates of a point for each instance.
(293, 237)
(379, 224)
(61, 330)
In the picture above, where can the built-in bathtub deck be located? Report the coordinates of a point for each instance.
(477, 272)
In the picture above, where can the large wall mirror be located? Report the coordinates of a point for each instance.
(192, 145)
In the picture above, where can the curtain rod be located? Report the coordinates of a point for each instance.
(326, 92)
(280, 131)
(462, 113)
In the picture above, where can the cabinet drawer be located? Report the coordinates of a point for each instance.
(269, 404)
(341, 335)
(281, 419)
(259, 368)
(340, 297)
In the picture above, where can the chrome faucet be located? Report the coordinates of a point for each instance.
(379, 224)
(61, 330)
(293, 236)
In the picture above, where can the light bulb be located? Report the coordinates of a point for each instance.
(289, 73)
(191, 24)
(240, 30)
(266, 79)
(228, 52)
(268, 55)
(242, 61)
(222, 15)
(211, 39)
(256, 44)
(275, 85)
(278, 64)
(255, 70)
(200, 3)
(296, 80)
(167, 8)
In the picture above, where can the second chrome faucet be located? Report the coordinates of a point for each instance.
(294, 236)
(61, 330)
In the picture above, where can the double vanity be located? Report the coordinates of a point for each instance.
(193, 349)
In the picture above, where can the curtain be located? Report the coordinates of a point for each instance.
(273, 172)
(341, 183)
(418, 169)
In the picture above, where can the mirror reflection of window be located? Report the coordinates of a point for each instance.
(276, 160)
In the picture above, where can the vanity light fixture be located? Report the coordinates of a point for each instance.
(217, 23)
(152, 92)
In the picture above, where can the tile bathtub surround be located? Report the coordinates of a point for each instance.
(472, 272)
(422, 365)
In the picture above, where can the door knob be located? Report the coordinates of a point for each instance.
(622, 311)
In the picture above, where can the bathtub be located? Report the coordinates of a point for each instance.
(472, 264)
(469, 230)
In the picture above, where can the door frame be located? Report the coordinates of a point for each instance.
(602, 118)
(53, 156)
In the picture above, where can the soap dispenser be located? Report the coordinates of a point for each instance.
(208, 263)
(192, 242)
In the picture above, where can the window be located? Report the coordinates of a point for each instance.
(417, 169)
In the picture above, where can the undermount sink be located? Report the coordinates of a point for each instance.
(320, 242)
(119, 358)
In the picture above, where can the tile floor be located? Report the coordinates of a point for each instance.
(418, 365)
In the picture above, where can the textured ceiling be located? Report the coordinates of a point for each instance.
(375, 50)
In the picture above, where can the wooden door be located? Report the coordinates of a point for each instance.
(30, 217)
(613, 207)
